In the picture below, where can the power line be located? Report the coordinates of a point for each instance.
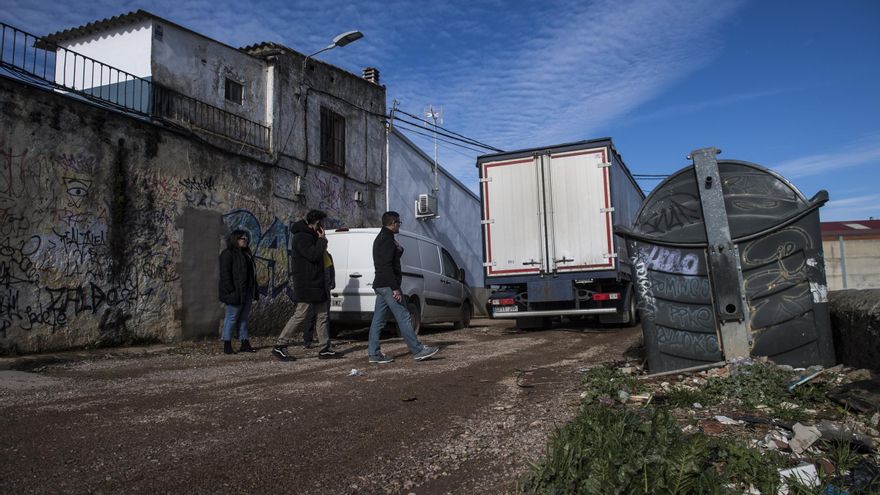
(426, 134)
(463, 137)
(450, 136)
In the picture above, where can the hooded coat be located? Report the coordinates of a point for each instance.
(307, 258)
(238, 273)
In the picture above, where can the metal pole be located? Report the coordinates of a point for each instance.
(842, 259)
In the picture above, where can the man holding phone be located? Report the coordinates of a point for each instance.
(309, 286)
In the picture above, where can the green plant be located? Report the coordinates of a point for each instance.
(684, 397)
(606, 381)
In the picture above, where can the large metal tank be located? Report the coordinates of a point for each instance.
(728, 263)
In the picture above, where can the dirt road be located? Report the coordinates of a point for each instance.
(196, 421)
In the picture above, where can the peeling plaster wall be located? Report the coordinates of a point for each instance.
(111, 225)
(198, 67)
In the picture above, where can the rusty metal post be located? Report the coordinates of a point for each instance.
(725, 271)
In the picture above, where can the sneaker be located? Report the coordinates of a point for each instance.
(246, 346)
(281, 353)
(328, 353)
(426, 352)
(380, 359)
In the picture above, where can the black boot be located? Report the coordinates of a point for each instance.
(227, 347)
(246, 346)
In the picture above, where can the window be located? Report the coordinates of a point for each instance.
(234, 90)
(450, 269)
(332, 138)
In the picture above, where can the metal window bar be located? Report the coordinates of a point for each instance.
(119, 88)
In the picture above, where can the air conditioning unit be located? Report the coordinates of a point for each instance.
(426, 206)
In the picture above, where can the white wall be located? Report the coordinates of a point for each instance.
(862, 263)
(410, 173)
(127, 49)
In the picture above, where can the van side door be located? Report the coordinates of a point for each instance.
(454, 289)
(434, 309)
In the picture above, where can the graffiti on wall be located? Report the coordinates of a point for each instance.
(270, 249)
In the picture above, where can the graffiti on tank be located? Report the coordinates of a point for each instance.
(270, 249)
(682, 343)
(670, 260)
(698, 317)
(777, 285)
(671, 213)
(647, 302)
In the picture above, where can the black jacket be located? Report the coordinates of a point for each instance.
(307, 257)
(238, 274)
(386, 259)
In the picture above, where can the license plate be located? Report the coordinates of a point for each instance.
(506, 309)
(336, 301)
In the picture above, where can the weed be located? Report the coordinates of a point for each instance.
(685, 397)
(606, 381)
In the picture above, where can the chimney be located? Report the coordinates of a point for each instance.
(371, 74)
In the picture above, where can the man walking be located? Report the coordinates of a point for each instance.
(309, 288)
(386, 259)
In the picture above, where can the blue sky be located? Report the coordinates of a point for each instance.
(791, 85)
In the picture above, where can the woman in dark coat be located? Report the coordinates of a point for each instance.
(238, 289)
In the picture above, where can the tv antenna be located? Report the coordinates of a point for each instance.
(436, 116)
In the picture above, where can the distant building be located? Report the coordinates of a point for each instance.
(852, 254)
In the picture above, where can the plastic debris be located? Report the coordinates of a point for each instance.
(727, 421)
(356, 372)
(804, 437)
(803, 473)
(622, 396)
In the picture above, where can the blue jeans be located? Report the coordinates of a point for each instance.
(237, 318)
(384, 302)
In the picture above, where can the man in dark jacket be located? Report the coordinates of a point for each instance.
(238, 289)
(386, 285)
(309, 287)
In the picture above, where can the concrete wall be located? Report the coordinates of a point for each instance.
(862, 257)
(410, 173)
(297, 133)
(198, 67)
(110, 226)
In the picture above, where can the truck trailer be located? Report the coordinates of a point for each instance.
(549, 248)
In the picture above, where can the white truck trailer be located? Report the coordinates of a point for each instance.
(549, 248)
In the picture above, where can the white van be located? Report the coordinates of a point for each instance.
(432, 282)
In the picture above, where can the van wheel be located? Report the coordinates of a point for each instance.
(415, 316)
(465, 320)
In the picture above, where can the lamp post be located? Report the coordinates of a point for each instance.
(339, 41)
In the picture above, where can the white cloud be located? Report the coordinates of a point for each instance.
(852, 208)
(862, 152)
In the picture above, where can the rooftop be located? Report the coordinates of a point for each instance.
(851, 228)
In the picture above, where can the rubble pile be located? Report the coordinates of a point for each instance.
(744, 426)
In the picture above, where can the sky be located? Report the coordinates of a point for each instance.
(790, 85)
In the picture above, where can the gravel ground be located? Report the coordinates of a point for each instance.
(192, 420)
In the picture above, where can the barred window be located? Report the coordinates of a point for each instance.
(332, 139)
(234, 91)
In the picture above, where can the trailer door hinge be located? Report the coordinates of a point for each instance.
(606, 210)
(603, 165)
(486, 179)
(487, 222)
(488, 264)
(609, 255)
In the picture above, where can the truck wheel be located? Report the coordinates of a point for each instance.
(415, 316)
(465, 313)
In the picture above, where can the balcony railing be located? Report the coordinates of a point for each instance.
(30, 57)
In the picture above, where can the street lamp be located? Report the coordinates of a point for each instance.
(339, 41)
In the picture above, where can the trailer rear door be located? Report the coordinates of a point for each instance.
(513, 213)
(578, 206)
